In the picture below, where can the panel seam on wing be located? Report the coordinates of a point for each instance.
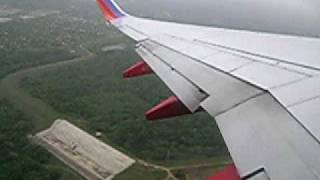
(244, 65)
(303, 101)
(174, 69)
(295, 118)
(242, 102)
(202, 93)
(258, 55)
(208, 95)
(215, 68)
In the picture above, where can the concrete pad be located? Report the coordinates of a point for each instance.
(87, 155)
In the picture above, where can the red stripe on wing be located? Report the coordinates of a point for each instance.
(107, 11)
(229, 173)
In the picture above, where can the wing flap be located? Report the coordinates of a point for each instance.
(260, 133)
(302, 101)
(242, 109)
(306, 113)
(298, 92)
(187, 92)
(213, 82)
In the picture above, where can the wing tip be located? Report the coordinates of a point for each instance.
(110, 9)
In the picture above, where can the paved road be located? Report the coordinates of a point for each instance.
(41, 113)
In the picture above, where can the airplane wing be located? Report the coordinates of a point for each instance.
(262, 89)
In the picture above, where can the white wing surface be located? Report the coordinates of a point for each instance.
(263, 89)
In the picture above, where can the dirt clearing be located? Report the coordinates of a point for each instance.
(87, 155)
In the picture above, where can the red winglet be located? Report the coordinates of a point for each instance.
(139, 69)
(168, 108)
(229, 173)
(107, 11)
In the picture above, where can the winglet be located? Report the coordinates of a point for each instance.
(110, 9)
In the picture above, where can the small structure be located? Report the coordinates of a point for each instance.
(84, 153)
(98, 134)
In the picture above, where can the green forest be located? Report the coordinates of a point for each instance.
(91, 94)
(95, 92)
(19, 157)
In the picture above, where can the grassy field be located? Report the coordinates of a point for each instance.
(25, 45)
(20, 159)
(138, 171)
(23, 53)
(94, 91)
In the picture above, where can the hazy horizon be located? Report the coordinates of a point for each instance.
(297, 17)
(301, 17)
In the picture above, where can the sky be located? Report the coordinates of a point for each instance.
(299, 17)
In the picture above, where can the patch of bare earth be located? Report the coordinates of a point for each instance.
(87, 155)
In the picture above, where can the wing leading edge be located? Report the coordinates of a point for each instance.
(263, 89)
